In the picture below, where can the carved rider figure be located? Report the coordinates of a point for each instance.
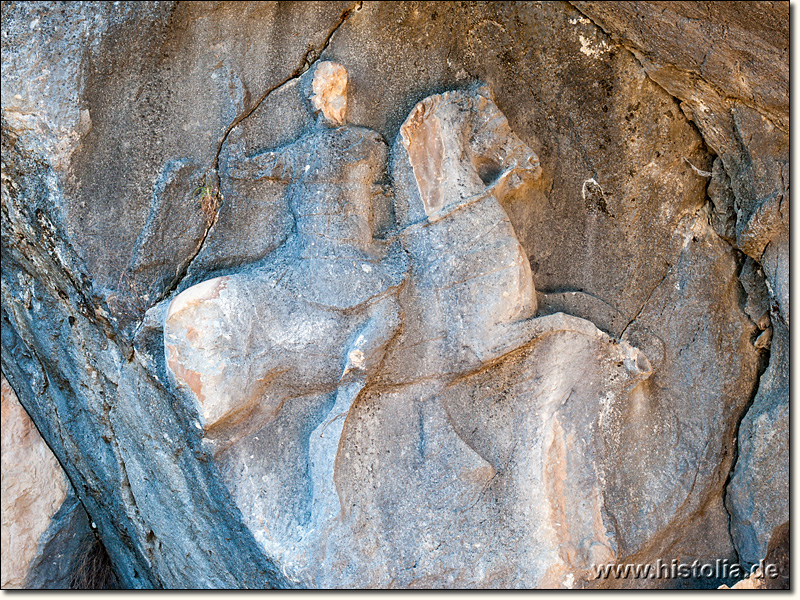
(332, 175)
(286, 345)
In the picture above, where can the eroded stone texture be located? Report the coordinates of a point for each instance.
(330, 91)
(492, 455)
(749, 583)
(295, 448)
(115, 430)
(66, 549)
(274, 354)
(758, 494)
(105, 218)
(607, 242)
(322, 307)
(778, 554)
(736, 90)
(100, 107)
(34, 487)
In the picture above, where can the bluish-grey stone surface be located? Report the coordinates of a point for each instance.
(658, 215)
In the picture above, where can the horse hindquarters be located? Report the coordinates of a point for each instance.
(235, 342)
(195, 335)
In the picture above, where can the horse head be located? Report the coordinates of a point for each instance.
(454, 159)
(458, 145)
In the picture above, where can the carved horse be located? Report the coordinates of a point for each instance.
(555, 383)
(470, 297)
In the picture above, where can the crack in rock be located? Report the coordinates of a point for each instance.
(311, 56)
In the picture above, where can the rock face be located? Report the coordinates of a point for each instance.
(744, 118)
(34, 487)
(400, 294)
(46, 533)
(293, 445)
(758, 494)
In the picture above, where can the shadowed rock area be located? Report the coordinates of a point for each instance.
(391, 295)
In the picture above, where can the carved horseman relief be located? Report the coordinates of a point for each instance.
(363, 392)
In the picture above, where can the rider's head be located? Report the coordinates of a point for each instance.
(329, 92)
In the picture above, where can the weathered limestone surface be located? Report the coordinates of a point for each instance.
(776, 562)
(736, 90)
(69, 552)
(758, 494)
(407, 424)
(303, 459)
(111, 425)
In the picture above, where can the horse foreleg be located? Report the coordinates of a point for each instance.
(362, 358)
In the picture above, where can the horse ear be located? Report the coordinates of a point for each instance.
(485, 91)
